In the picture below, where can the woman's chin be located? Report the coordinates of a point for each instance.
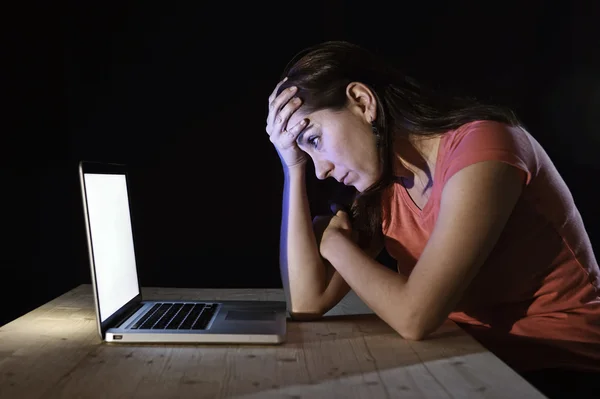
(358, 186)
(362, 185)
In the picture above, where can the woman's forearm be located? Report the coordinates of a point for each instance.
(383, 290)
(303, 272)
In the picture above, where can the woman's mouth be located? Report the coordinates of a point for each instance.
(344, 179)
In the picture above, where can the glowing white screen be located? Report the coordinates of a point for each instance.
(112, 241)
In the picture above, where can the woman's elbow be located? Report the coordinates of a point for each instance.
(417, 329)
(305, 316)
(413, 334)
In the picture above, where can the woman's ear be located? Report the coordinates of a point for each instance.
(362, 99)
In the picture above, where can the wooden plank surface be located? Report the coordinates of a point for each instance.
(55, 352)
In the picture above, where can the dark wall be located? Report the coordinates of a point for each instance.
(178, 91)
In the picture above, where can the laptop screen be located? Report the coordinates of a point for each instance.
(112, 241)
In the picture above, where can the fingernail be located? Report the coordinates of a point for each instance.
(293, 89)
(296, 100)
(303, 122)
(284, 79)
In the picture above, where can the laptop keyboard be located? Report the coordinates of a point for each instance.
(177, 316)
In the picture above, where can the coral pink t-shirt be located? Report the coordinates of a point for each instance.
(535, 302)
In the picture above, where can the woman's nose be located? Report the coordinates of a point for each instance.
(322, 170)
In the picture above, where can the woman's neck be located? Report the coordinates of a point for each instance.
(415, 157)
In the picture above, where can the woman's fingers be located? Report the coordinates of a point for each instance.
(274, 119)
(284, 114)
(288, 138)
(274, 93)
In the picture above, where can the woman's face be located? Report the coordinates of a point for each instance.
(341, 143)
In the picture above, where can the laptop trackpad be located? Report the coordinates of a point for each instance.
(237, 315)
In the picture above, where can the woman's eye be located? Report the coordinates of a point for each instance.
(313, 141)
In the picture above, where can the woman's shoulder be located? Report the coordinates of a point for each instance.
(487, 134)
(484, 140)
(485, 129)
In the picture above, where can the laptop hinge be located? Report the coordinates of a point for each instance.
(129, 313)
(121, 315)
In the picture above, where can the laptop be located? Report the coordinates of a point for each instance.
(122, 314)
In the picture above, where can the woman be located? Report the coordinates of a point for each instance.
(482, 226)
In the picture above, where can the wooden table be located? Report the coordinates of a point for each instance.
(55, 352)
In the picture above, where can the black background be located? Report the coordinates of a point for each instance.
(178, 90)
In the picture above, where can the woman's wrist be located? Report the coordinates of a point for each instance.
(299, 168)
(330, 243)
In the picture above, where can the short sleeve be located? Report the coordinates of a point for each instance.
(489, 141)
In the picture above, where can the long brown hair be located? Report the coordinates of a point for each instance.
(404, 107)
